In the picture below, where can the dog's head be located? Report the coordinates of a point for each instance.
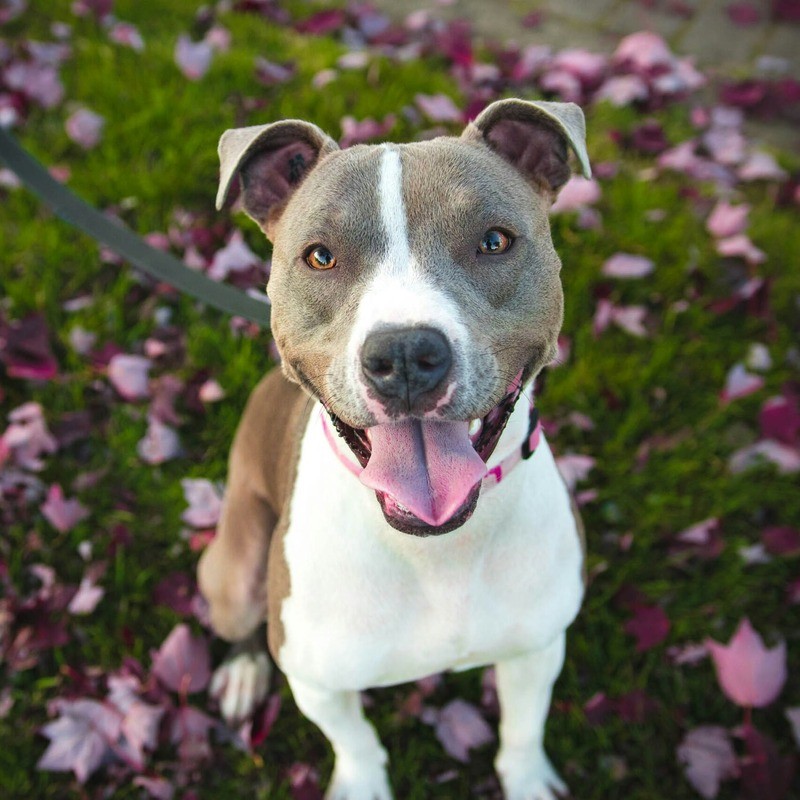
(414, 287)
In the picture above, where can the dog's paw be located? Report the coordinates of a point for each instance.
(532, 779)
(363, 783)
(240, 683)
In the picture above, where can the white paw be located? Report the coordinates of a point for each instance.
(530, 779)
(240, 683)
(365, 782)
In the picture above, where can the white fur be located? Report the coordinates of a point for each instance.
(371, 606)
(398, 293)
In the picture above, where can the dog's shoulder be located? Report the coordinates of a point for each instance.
(267, 443)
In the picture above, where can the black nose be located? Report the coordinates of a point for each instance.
(404, 363)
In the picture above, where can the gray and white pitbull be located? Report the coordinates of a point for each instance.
(415, 293)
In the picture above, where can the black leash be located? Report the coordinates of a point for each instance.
(123, 241)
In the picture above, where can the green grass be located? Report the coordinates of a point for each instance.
(158, 151)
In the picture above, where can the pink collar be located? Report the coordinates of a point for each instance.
(494, 476)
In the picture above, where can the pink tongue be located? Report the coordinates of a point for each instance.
(428, 467)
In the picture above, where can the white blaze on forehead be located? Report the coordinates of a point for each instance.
(393, 213)
(399, 293)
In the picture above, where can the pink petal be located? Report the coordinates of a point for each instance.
(86, 598)
(574, 468)
(740, 383)
(563, 83)
(700, 532)
(80, 738)
(625, 265)
(160, 443)
(62, 514)
(461, 728)
(622, 90)
(727, 220)
(236, 256)
(583, 64)
(85, 128)
(631, 319)
(211, 392)
(129, 375)
(761, 166)
(219, 38)
(193, 58)
(190, 728)
(748, 673)
(438, 107)
(708, 758)
(357, 132)
(740, 246)
(27, 438)
(157, 788)
(126, 34)
(786, 459)
(643, 51)
(182, 663)
(576, 193)
(204, 503)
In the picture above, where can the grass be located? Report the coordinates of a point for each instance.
(158, 154)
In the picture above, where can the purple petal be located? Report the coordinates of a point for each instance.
(438, 108)
(193, 58)
(727, 220)
(740, 383)
(62, 514)
(576, 193)
(708, 758)
(126, 34)
(160, 443)
(786, 459)
(182, 663)
(625, 265)
(204, 503)
(85, 128)
(461, 728)
(129, 375)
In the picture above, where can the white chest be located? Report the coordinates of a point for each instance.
(371, 606)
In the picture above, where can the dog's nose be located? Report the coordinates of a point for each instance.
(405, 363)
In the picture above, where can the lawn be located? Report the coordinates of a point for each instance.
(654, 428)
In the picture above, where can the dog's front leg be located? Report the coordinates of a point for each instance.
(360, 769)
(524, 685)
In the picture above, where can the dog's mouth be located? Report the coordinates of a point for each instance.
(427, 473)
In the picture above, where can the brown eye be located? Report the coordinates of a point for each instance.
(494, 242)
(320, 258)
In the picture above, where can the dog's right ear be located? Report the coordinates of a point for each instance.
(271, 161)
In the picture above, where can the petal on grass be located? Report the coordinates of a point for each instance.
(708, 758)
(85, 128)
(62, 514)
(182, 663)
(625, 265)
(460, 727)
(750, 674)
(193, 58)
(740, 383)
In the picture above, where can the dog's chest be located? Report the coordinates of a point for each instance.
(370, 606)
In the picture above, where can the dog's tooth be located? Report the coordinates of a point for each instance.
(475, 427)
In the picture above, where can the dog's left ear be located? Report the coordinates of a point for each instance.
(534, 137)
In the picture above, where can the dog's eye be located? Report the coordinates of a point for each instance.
(320, 258)
(494, 242)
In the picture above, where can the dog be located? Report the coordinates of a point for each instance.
(392, 511)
